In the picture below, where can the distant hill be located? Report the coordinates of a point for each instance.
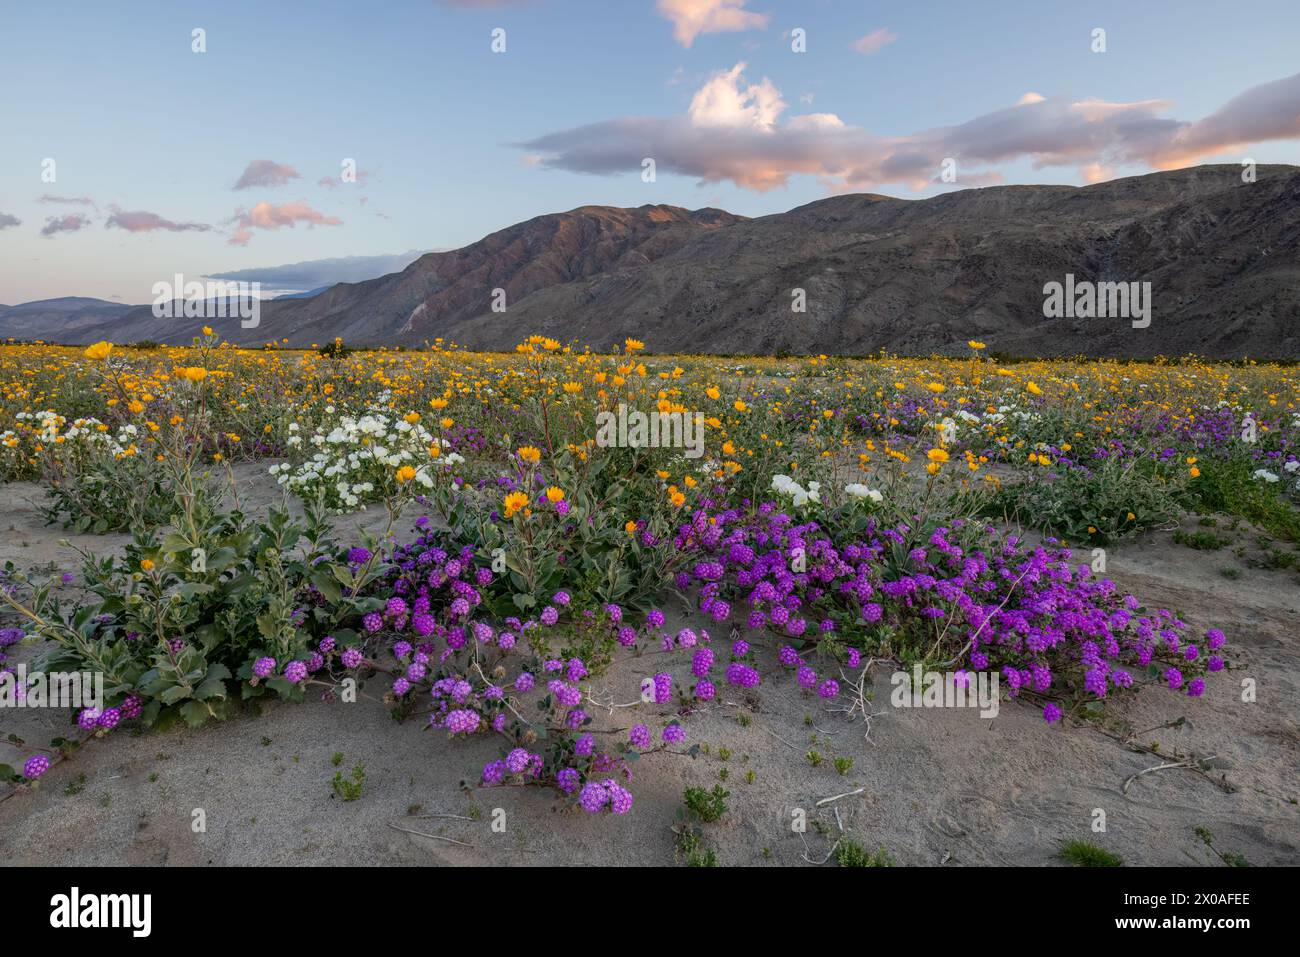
(59, 319)
(909, 276)
(442, 287)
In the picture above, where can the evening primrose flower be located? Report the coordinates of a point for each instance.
(859, 491)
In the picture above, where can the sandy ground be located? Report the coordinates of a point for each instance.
(937, 786)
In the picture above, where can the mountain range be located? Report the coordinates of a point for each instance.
(1221, 254)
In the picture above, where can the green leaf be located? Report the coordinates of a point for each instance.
(193, 589)
(214, 683)
(195, 713)
(174, 694)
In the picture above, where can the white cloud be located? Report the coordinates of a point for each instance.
(725, 101)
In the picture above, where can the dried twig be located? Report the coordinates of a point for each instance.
(779, 738)
(858, 703)
(824, 859)
(1194, 765)
(836, 797)
(436, 837)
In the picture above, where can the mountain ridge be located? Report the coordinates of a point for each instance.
(908, 275)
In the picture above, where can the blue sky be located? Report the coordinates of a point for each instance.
(456, 141)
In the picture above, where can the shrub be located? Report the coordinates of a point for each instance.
(186, 619)
(1114, 500)
(707, 806)
(1228, 486)
(1086, 854)
(849, 853)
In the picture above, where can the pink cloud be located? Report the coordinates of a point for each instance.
(64, 224)
(1270, 111)
(265, 173)
(140, 221)
(873, 41)
(690, 18)
(269, 216)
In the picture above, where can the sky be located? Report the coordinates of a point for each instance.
(129, 155)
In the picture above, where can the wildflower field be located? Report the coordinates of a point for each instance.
(360, 544)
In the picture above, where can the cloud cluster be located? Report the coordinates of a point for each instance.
(269, 216)
(7, 220)
(733, 131)
(690, 18)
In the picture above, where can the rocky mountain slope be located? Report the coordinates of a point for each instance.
(1222, 257)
